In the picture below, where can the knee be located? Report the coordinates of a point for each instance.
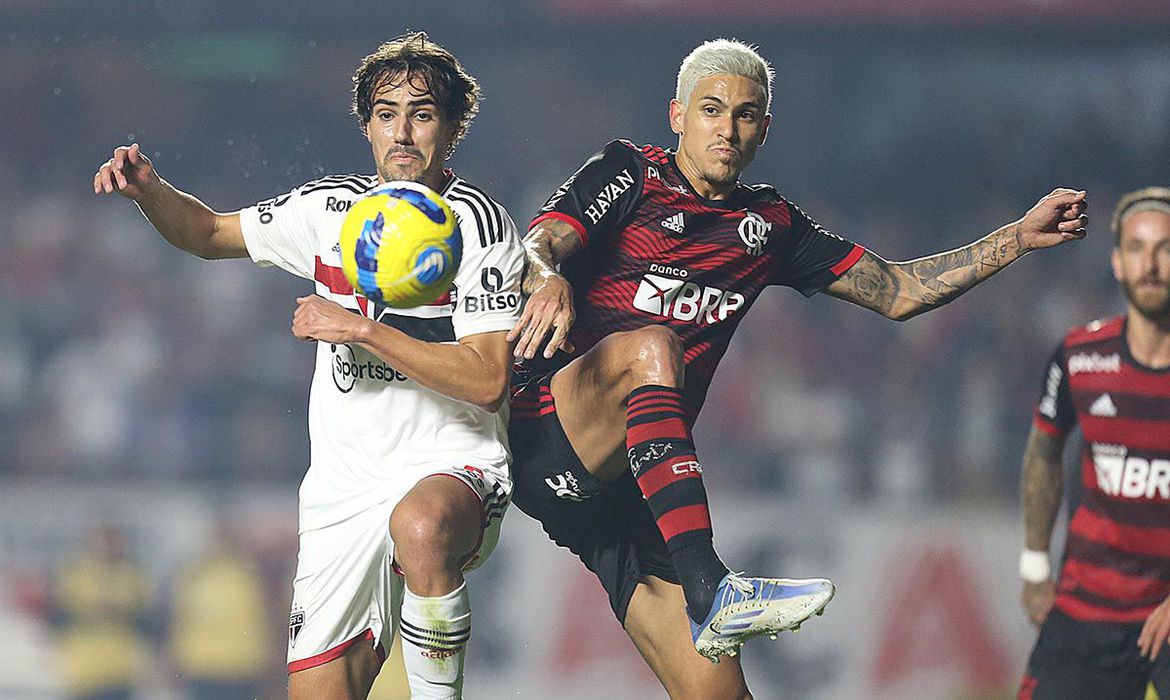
(655, 356)
(431, 534)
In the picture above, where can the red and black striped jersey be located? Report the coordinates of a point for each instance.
(657, 253)
(1117, 556)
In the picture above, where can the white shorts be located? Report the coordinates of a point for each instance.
(345, 591)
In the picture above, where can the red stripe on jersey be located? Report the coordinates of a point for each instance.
(1149, 541)
(685, 519)
(1095, 332)
(1111, 583)
(1081, 610)
(332, 277)
(669, 429)
(1046, 426)
(577, 226)
(663, 475)
(848, 261)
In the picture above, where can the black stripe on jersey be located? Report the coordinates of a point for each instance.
(1090, 344)
(1133, 512)
(346, 185)
(352, 178)
(490, 227)
(1106, 557)
(464, 187)
(480, 224)
(431, 330)
(1109, 604)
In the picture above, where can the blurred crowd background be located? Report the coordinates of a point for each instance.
(131, 372)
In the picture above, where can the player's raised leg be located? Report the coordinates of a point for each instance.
(628, 389)
(436, 528)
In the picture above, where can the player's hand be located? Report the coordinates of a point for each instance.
(320, 319)
(549, 308)
(1156, 631)
(1056, 218)
(128, 172)
(1038, 599)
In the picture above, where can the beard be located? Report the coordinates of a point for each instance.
(411, 171)
(1152, 306)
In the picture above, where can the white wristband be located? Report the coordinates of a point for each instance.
(1034, 566)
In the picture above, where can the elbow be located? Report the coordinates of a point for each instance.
(903, 313)
(904, 310)
(491, 398)
(491, 404)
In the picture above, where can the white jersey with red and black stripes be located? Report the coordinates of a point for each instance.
(368, 422)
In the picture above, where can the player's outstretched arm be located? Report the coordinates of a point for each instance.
(1041, 489)
(550, 296)
(181, 219)
(902, 290)
(475, 370)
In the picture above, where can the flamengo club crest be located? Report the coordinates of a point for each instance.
(753, 231)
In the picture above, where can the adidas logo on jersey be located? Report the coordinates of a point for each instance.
(1103, 407)
(675, 223)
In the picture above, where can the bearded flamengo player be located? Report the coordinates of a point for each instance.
(640, 267)
(1104, 625)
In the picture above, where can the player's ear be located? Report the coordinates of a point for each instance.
(764, 130)
(1115, 260)
(676, 116)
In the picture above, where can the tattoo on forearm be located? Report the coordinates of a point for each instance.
(872, 284)
(945, 276)
(901, 290)
(1042, 488)
(546, 246)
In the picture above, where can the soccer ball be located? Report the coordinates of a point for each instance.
(401, 245)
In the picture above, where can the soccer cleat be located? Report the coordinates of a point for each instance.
(747, 607)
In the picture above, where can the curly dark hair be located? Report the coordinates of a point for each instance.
(1129, 201)
(412, 56)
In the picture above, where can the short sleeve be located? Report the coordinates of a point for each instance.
(1055, 414)
(600, 195)
(813, 257)
(278, 232)
(487, 285)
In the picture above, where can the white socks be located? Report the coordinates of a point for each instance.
(434, 635)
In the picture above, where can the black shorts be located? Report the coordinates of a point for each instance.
(609, 526)
(1078, 660)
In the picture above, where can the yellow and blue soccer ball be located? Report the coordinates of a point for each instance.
(401, 245)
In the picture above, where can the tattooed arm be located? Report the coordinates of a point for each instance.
(1041, 491)
(902, 290)
(550, 296)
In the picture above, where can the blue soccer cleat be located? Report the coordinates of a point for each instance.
(750, 607)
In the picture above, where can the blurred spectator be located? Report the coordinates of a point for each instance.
(219, 636)
(102, 600)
